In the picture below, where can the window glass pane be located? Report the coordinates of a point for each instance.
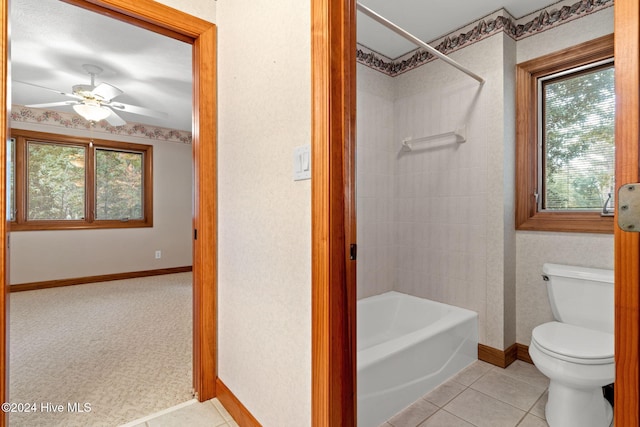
(578, 140)
(11, 179)
(56, 180)
(118, 185)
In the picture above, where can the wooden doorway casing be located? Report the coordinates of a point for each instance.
(202, 35)
(333, 145)
(333, 226)
(627, 245)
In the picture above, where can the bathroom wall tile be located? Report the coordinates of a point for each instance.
(413, 415)
(476, 239)
(458, 207)
(417, 283)
(453, 181)
(455, 266)
(444, 419)
(374, 178)
(484, 411)
(438, 191)
(444, 393)
(477, 268)
(370, 81)
(508, 389)
(477, 213)
(405, 277)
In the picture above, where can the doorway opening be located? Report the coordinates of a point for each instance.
(202, 35)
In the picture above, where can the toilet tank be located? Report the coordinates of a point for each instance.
(581, 296)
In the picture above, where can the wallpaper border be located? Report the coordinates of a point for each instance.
(532, 24)
(59, 119)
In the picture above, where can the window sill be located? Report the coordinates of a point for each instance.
(591, 222)
(80, 225)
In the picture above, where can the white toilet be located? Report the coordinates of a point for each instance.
(576, 350)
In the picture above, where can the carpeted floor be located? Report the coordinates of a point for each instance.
(123, 347)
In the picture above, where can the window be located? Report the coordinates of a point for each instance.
(64, 182)
(565, 113)
(577, 114)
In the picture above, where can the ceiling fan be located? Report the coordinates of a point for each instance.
(95, 103)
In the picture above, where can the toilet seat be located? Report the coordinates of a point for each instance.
(574, 343)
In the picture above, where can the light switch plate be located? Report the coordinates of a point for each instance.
(302, 163)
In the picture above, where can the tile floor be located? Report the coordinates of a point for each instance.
(481, 395)
(193, 414)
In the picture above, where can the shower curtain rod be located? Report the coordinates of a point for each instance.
(393, 27)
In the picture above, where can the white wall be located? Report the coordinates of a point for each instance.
(61, 254)
(203, 9)
(536, 248)
(264, 232)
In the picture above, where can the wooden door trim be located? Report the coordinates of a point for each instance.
(330, 48)
(202, 34)
(627, 245)
(333, 213)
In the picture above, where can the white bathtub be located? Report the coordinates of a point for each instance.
(407, 346)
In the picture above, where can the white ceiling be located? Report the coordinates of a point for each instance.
(429, 19)
(50, 40)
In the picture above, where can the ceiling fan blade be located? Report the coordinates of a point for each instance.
(52, 104)
(115, 120)
(50, 90)
(106, 91)
(134, 109)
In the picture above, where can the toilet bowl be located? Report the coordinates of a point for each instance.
(576, 350)
(578, 367)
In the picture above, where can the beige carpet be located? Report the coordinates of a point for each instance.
(124, 347)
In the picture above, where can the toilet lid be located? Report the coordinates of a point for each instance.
(574, 341)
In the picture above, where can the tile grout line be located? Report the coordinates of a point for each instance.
(507, 403)
(526, 412)
(499, 371)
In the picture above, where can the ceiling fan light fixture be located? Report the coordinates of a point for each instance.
(92, 113)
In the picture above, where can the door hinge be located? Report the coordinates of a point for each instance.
(629, 207)
(195, 234)
(353, 252)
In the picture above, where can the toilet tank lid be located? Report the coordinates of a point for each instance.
(574, 341)
(577, 272)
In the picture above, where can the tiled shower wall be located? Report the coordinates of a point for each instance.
(376, 166)
(451, 235)
(423, 222)
(440, 198)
